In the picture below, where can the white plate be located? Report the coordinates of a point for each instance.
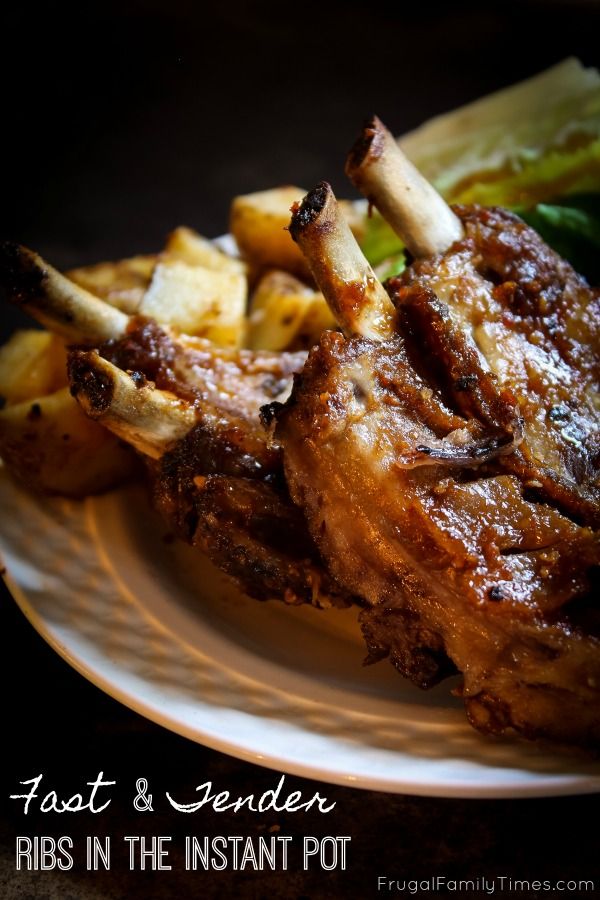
(156, 626)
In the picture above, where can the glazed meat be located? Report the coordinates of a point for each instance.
(448, 461)
(192, 411)
(460, 558)
(219, 483)
(503, 296)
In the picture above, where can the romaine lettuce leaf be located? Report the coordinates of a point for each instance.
(572, 227)
(558, 173)
(379, 241)
(536, 129)
(521, 148)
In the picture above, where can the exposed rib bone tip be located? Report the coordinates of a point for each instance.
(405, 199)
(305, 213)
(358, 301)
(368, 145)
(149, 419)
(59, 304)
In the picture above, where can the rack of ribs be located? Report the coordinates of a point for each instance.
(191, 410)
(436, 461)
(445, 449)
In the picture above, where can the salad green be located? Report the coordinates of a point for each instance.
(533, 147)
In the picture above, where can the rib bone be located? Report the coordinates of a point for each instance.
(406, 200)
(54, 301)
(357, 299)
(150, 420)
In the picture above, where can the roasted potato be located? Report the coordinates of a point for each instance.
(32, 363)
(189, 247)
(258, 223)
(285, 314)
(51, 445)
(122, 283)
(46, 440)
(198, 301)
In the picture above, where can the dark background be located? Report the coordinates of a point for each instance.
(121, 121)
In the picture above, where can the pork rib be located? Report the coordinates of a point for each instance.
(218, 481)
(192, 410)
(449, 472)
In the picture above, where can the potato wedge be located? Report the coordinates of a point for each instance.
(122, 283)
(258, 223)
(198, 301)
(52, 446)
(186, 245)
(285, 314)
(32, 363)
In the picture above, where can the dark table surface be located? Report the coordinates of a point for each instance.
(123, 120)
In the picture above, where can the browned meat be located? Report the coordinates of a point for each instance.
(504, 298)
(449, 474)
(219, 380)
(192, 409)
(221, 486)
